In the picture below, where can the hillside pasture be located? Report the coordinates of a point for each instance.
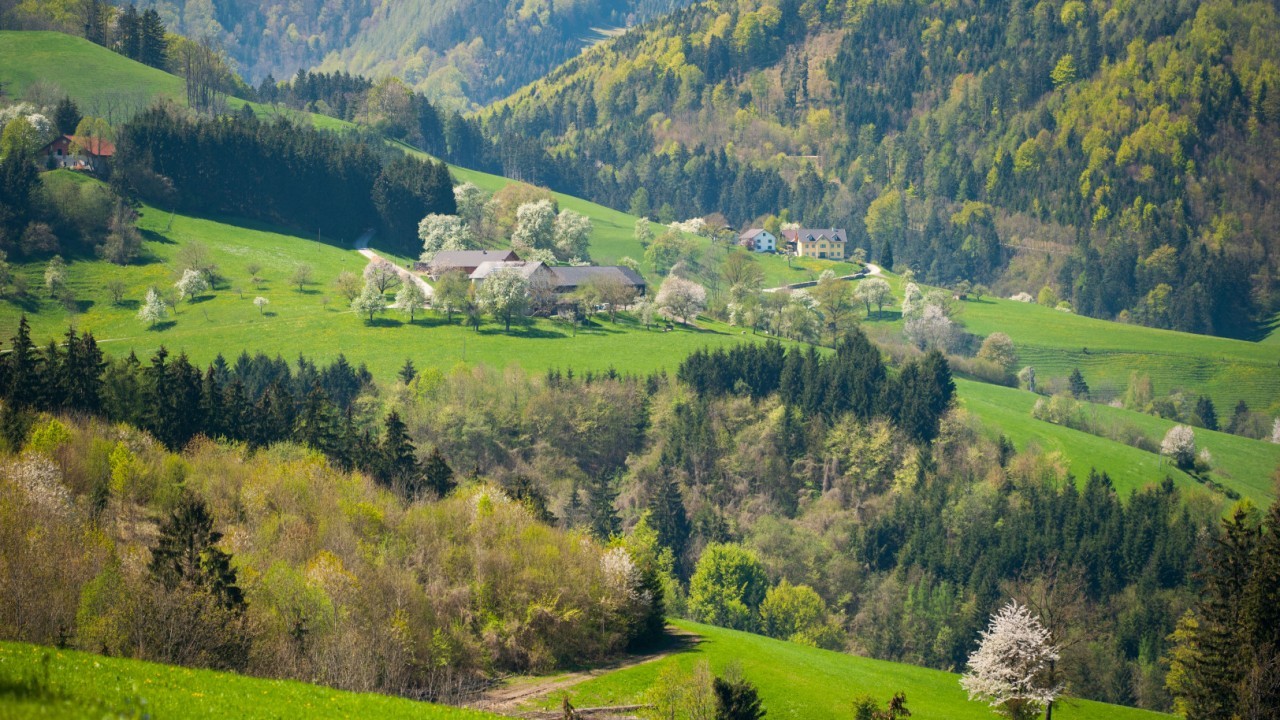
(796, 681)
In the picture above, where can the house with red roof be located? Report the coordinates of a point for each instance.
(87, 154)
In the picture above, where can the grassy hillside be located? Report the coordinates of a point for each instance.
(301, 322)
(1243, 464)
(1106, 352)
(796, 681)
(38, 682)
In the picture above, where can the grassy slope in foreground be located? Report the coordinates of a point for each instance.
(796, 681)
(85, 686)
(301, 323)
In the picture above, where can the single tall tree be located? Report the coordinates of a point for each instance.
(1010, 668)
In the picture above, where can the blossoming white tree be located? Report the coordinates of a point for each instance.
(874, 291)
(191, 284)
(260, 303)
(369, 301)
(572, 234)
(1011, 667)
(411, 299)
(442, 232)
(682, 298)
(1179, 445)
(535, 226)
(153, 309)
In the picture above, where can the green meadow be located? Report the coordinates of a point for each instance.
(1107, 352)
(316, 321)
(1243, 464)
(796, 681)
(46, 683)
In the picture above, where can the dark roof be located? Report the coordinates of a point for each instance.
(471, 258)
(576, 276)
(751, 233)
(811, 234)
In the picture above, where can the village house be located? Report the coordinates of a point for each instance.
(465, 261)
(86, 154)
(827, 244)
(758, 240)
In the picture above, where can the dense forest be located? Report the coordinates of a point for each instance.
(458, 52)
(280, 172)
(1125, 150)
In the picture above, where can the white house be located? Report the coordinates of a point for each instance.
(758, 240)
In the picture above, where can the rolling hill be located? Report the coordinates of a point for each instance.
(796, 681)
(1012, 143)
(458, 51)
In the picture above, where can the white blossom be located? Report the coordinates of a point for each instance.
(442, 232)
(1275, 431)
(1009, 668)
(41, 480)
(682, 298)
(153, 309)
(1179, 445)
(931, 328)
(191, 284)
(535, 226)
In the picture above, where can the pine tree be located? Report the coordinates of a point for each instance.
(21, 368)
(737, 699)
(438, 474)
(408, 372)
(1239, 418)
(886, 255)
(601, 513)
(153, 47)
(67, 116)
(186, 553)
(1079, 388)
(666, 507)
(397, 460)
(129, 33)
(1207, 413)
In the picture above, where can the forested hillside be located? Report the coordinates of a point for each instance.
(1122, 154)
(459, 51)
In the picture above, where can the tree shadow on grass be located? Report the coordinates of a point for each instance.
(887, 316)
(384, 323)
(127, 304)
(200, 299)
(28, 303)
(162, 326)
(155, 237)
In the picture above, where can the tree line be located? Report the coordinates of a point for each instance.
(279, 172)
(255, 400)
(853, 380)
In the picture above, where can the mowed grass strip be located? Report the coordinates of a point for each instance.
(80, 685)
(796, 681)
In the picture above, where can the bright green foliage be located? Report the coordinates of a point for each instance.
(369, 302)
(505, 295)
(728, 587)
(797, 613)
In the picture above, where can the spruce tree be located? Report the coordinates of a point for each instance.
(153, 47)
(397, 460)
(129, 33)
(1207, 413)
(408, 372)
(21, 368)
(186, 553)
(737, 699)
(438, 474)
(667, 514)
(67, 116)
(601, 513)
(1079, 388)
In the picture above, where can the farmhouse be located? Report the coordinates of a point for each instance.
(827, 244)
(568, 279)
(78, 153)
(758, 240)
(466, 261)
(531, 271)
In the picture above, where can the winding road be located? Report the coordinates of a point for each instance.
(872, 269)
(362, 247)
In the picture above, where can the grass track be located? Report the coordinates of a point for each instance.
(796, 681)
(92, 686)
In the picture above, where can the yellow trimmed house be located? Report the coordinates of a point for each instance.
(827, 244)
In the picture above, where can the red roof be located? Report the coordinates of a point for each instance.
(96, 147)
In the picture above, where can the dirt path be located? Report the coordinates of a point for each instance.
(362, 247)
(514, 696)
(872, 269)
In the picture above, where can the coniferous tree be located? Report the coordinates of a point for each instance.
(438, 474)
(1207, 413)
(186, 553)
(667, 514)
(601, 513)
(1079, 388)
(737, 699)
(21, 368)
(408, 372)
(1239, 418)
(129, 33)
(398, 466)
(153, 46)
(67, 116)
